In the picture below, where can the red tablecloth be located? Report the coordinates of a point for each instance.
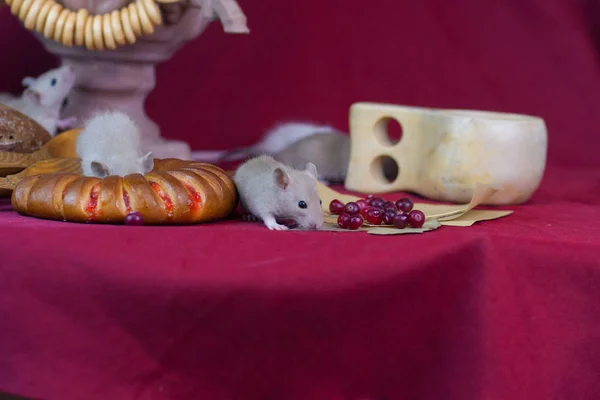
(506, 309)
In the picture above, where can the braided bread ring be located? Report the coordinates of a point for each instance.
(174, 192)
(79, 28)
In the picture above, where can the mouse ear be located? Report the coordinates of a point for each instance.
(28, 81)
(33, 95)
(311, 169)
(281, 178)
(99, 169)
(147, 161)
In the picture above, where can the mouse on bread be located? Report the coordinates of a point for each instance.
(110, 144)
(44, 97)
(270, 191)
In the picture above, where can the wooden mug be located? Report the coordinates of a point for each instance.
(444, 153)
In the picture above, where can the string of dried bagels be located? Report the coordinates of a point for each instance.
(79, 28)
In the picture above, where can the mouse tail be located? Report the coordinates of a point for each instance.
(215, 156)
(207, 155)
(241, 153)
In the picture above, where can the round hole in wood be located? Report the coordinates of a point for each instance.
(385, 169)
(388, 131)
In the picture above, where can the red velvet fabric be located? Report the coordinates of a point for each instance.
(506, 309)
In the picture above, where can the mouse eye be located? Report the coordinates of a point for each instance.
(65, 102)
(53, 82)
(320, 201)
(302, 204)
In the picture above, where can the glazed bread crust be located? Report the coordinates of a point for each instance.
(175, 192)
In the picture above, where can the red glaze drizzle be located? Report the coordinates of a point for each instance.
(92, 204)
(165, 198)
(126, 201)
(195, 200)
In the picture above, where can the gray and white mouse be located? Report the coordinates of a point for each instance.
(274, 140)
(43, 98)
(298, 143)
(269, 190)
(110, 144)
(330, 153)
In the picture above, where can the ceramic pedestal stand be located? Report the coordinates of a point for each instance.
(123, 78)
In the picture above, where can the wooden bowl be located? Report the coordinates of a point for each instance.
(443, 153)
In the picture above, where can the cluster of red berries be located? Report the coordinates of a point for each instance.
(377, 211)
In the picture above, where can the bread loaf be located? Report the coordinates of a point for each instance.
(19, 133)
(174, 192)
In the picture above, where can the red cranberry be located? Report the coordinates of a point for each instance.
(404, 204)
(344, 221)
(336, 207)
(416, 218)
(134, 219)
(377, 202)
(400, 221)
(391, 208)
(369, 199)
(388, 217)
(364, 211)
(362, 204)
(374, 216)
(351, 208)
(356, 222)
(389, 205)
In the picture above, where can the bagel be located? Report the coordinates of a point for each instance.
(175, 192)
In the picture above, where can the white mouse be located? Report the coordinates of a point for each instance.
(274, 140)
(269, 190)
(110, 144)
(44, 97)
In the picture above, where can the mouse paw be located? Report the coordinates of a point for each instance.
(66, 123)
(274, 226)
(250, 217)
